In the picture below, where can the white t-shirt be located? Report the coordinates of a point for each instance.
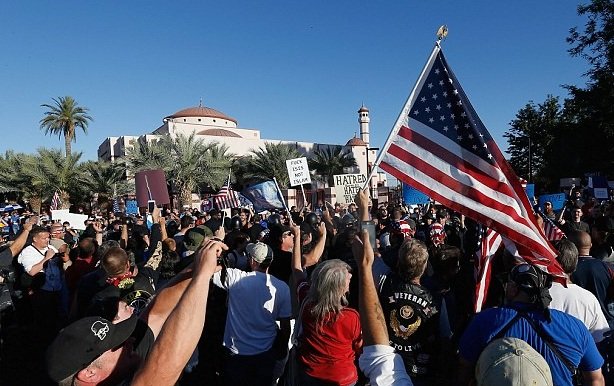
(576, 301)
(383, 366)
(256, 300)
(30, 256)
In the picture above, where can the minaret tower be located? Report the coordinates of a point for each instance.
(363, 120)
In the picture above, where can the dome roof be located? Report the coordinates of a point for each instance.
(356, 142)
(363, 109)
(201, 111)
(219, 133)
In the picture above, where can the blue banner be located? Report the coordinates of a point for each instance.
(412, 196)
(132, 207)
(264, 196)
(557, 200)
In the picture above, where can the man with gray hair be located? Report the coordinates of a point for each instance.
(573, 299)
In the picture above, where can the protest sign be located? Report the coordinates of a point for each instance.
(151, 185)
(412, 196)
(530, 190)
(132, 207)
(557, 200)
(347, 185)
(77, 221)
(298, 171)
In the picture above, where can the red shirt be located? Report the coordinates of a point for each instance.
(329, 353)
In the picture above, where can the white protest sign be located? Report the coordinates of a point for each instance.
(298, 171)
(347, 185)
(76, 220)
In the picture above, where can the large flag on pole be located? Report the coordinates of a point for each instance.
(56, 203)
(264, 196)
(440, 146)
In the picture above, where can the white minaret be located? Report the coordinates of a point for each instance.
(363, 120)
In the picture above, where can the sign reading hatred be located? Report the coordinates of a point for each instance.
(298, 171)
(347, 185)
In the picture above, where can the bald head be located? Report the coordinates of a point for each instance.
(582, 240)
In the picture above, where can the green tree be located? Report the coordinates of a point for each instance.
(268, 162)
(107, 180)
(47, 171)
(591, 109)
(328, 161)
(189, 163)
(530, 139)
(63, 117)
(196, 165)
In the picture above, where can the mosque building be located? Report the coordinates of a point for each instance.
(211, 125)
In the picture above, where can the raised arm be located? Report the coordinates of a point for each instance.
(21, 240)
(373, 323)
(315, 254)
(184, 326)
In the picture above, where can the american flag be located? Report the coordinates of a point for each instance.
(440, 146)
(116, 205)
(226, 198)
(490, 242)
(56, 203)
(551, 230)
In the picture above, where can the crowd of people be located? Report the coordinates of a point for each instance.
(334, 295)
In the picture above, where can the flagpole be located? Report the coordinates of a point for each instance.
(282, 197)
(227, 184)
(404, 112)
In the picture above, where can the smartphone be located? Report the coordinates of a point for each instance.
(151, 205)
(370, 227)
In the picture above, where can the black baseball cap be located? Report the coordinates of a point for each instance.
(78, 344)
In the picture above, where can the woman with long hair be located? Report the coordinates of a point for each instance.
(329, 332)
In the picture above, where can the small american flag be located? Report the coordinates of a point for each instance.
(440, 146)
(490, 242)
(226, 198)
(56, 203)
(116, 205)
(551, 230)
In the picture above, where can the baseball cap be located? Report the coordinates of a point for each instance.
(78, 344)
(195, 236)
(512, 362)
(259, 252)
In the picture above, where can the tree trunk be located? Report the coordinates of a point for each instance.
(185, 197)
(68, 144)
(36, 203)
(65, 198)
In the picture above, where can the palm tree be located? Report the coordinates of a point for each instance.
(196, 165)
(107, 179)
(46, 172)
(149, 156)
(189, 163)
(330, 160)
(63, 117)
(264, 164)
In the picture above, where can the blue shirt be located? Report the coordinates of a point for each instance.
(569, 335)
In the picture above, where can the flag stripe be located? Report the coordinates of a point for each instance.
(440, 146)
(473, 209)
(490, 244)
(484, 173)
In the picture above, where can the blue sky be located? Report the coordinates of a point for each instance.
(294, 70)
